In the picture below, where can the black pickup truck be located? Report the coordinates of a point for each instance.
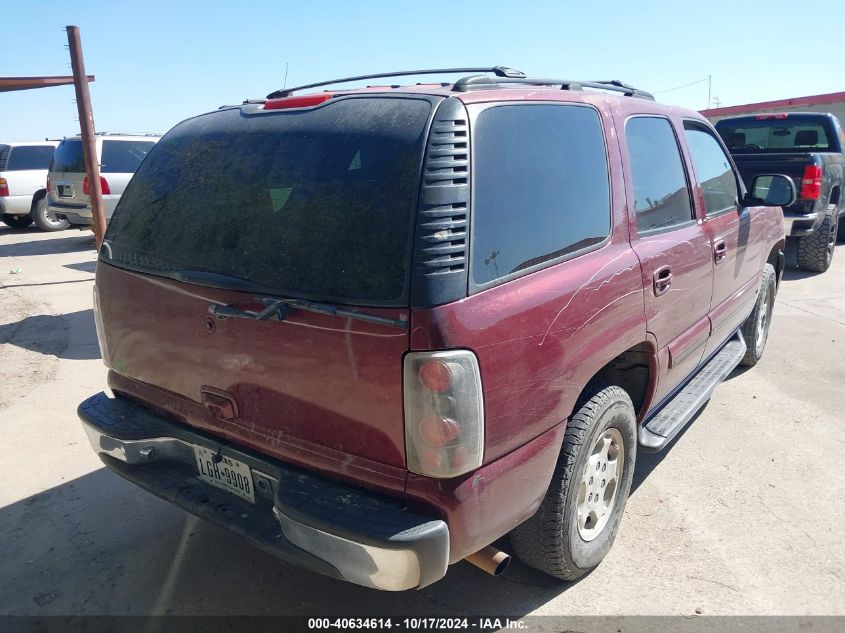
(807, 147)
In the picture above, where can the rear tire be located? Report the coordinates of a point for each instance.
(755, 330)
(16, 221)
(570, 535)
(47, 221)
(815, 251)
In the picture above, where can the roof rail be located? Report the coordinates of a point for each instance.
(110, 133)
(485, 81)
(499, 71)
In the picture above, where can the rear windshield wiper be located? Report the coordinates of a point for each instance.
(278, 310)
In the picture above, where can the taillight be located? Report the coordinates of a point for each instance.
(305, 101)
(4, 187)
(104, 186)
(444, 413)
(764, 117)
(811, 182)
(49, 185)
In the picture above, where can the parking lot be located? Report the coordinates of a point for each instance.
(743, 513)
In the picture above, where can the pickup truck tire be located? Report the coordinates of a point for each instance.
(46, 221)
(815, 251)
(16, 221)
(755, 330)
(600, 439)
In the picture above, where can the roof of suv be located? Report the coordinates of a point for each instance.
(28, 143)
(117, 136)
(497, 84)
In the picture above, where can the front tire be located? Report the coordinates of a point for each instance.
(44, 220)
(755, 330)
(815, 251)
(16, 221)
(577, 521)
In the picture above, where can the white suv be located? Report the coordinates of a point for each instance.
(68, 200)
(23, 173)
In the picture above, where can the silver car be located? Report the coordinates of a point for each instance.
(23, 172)
(119, 155)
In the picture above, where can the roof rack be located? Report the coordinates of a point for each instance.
(500, 71)
(485, 81)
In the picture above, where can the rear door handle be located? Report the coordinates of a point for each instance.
(720, 251)
(662, 280)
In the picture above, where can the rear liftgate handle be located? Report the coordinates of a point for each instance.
(662, 280)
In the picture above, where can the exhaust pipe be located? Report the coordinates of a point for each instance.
(491, 560)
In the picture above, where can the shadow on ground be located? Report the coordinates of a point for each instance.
(71, 336)
(99, 545)
(84, 267)
(74, 243)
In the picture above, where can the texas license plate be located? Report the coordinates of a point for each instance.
(225, 473)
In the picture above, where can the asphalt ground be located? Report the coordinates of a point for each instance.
(742, 514)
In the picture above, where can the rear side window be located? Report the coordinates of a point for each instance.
(540, 187)
(712, 170)
(661, 193)
(68, 157)
(314, 203)
(123, 157)
(29, 157)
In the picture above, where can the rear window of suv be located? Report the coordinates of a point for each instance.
(313, 203)
(68, 157)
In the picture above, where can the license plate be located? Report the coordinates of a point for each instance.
(225, 473)
(65, 191)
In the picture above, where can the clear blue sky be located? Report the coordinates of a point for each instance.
(158, 62)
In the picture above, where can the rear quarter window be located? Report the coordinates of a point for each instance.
(29, 157)
(540, 187)
(123, 157)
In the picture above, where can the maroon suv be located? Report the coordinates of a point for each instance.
(373, 331)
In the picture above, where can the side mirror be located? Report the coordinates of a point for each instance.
(771, 190)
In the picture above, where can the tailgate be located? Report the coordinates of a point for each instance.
(792, 165)
(311, 387)
(311, 205)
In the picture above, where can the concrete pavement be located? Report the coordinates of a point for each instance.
(742, 515)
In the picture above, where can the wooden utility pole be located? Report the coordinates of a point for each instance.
(86, 125)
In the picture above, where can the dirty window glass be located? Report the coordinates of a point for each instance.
(123, 157)
(29, 157)
(661, 194)
(315, 203)
(712, 170)
(541, 187)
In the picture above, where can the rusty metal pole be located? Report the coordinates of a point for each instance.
(86, 125)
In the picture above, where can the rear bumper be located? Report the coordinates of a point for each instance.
(76, 214)
(800, 224)
(16, 205)
(322, 525)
